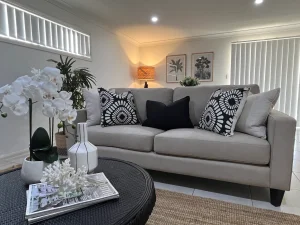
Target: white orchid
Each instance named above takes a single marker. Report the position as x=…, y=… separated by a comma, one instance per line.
x=72, y=116
x=44, y=84
x=6, y=89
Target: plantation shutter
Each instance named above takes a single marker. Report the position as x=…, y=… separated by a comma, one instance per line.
x=20, y=25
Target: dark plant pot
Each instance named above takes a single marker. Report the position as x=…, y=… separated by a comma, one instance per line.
x=61, y=144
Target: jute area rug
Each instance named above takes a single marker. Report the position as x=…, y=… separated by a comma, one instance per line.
x=179, y=209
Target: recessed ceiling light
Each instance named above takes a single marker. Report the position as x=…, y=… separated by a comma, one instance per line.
x=257, y=2
x=154, y=19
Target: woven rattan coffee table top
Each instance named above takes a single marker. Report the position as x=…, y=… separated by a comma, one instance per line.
x=134, y=184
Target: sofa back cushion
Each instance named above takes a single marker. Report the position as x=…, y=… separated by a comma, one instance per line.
x=141, y=95
x=200, y=95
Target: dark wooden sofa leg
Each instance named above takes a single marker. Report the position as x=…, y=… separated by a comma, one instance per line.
x=276, y=197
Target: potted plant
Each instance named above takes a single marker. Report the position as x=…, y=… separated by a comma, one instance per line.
x=189, y=82
x=20, y=97
x=73, y=82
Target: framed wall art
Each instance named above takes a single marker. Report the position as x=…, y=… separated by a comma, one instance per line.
x=202, y=66
x=176, y=68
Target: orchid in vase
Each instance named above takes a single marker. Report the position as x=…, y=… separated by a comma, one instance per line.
x=42, y=86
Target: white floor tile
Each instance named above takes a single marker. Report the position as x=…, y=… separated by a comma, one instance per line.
x=296, y=166
x=297, y=155
x=175, y=188
x=223, y=197
x=295, y=183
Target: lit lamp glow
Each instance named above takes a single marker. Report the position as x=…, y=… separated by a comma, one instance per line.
x=146, y=73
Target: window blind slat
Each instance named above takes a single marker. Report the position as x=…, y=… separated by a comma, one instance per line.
x=268, y=66
x=258, y=62
x=48, y=33
x=238, y=64
x=54, y=35
x=243, y=64
x=289, y=77
x=233, y=64
x=263, y=65
x=28, y=27
x=20, y=25
x=3, y=20
x=35, y=30
x=248, y=63
x=11, y=22
x=87, y=46
x=296, y=77
x=253, y=61
x=279, y=69
x=42, y=26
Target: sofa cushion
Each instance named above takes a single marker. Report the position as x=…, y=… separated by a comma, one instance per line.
x=133, y=137
x=117, y=109
x=203, y=144
x=142, y=95
x=201, y=94
x=176, y=115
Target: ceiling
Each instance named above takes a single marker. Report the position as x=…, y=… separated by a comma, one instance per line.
x=185, y=18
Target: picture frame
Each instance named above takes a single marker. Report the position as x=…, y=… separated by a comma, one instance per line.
x=203, y=66
x=175, y=68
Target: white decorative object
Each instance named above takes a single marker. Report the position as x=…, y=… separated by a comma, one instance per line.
x=83, y=153
x=65, y=177
x=32, y=171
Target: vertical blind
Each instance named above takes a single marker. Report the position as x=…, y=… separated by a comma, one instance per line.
x=23, y=26
x=270, y=64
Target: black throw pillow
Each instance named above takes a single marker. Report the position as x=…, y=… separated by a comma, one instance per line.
x=175, y=115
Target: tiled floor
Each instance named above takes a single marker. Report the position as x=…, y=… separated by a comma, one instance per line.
x=230, y=192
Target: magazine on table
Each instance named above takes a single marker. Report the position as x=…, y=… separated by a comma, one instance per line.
x=44, y=202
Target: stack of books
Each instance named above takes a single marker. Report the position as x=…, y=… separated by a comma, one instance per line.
x=44, y=201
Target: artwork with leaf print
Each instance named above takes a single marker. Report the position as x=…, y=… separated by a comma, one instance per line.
x=176, y=68
x=202, y=66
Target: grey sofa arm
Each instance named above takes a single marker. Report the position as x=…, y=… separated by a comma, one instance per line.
x=281, y=130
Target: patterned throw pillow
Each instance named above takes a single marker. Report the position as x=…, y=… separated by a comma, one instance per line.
x=117, y=109
x=223, y=110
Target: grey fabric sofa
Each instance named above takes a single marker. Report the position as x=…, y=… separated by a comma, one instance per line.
x=240, y=159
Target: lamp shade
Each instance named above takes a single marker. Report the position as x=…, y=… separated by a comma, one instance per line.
x=146, y=73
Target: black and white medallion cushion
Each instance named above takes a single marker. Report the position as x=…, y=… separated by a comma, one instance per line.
x=117, y=109
x=223, y=110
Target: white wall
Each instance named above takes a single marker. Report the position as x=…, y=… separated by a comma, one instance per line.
x=114, y=62
x=155, y=55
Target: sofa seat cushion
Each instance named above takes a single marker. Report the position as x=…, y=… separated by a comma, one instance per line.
x=202, y=144
x=133, y=137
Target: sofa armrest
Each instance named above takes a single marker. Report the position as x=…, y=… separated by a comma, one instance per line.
x=281, y=130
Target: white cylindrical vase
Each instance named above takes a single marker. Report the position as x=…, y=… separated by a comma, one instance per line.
x=83, y=153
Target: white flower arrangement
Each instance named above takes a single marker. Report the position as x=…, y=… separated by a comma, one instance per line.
x=65, y=177
x=43, y=84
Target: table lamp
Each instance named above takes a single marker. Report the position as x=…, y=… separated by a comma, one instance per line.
x=146, y=73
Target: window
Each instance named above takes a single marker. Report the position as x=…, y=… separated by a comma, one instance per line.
x=270, y=64
x=23, y=26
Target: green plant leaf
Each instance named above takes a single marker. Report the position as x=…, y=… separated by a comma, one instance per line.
x=49, y=156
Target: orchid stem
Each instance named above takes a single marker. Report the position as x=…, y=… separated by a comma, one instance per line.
x=30, y=128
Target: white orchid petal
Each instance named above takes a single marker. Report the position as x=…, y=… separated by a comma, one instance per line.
x=51, y=71
x=72, y=116
x=17, y=87
x=65, y=95
x=49, y=111
x=10, y=100
x=63, y=115
x=5, y=89
x=20, y=109
x=59, y=103
x=25, y=80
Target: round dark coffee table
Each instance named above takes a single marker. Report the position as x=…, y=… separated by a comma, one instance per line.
x=134, y=184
